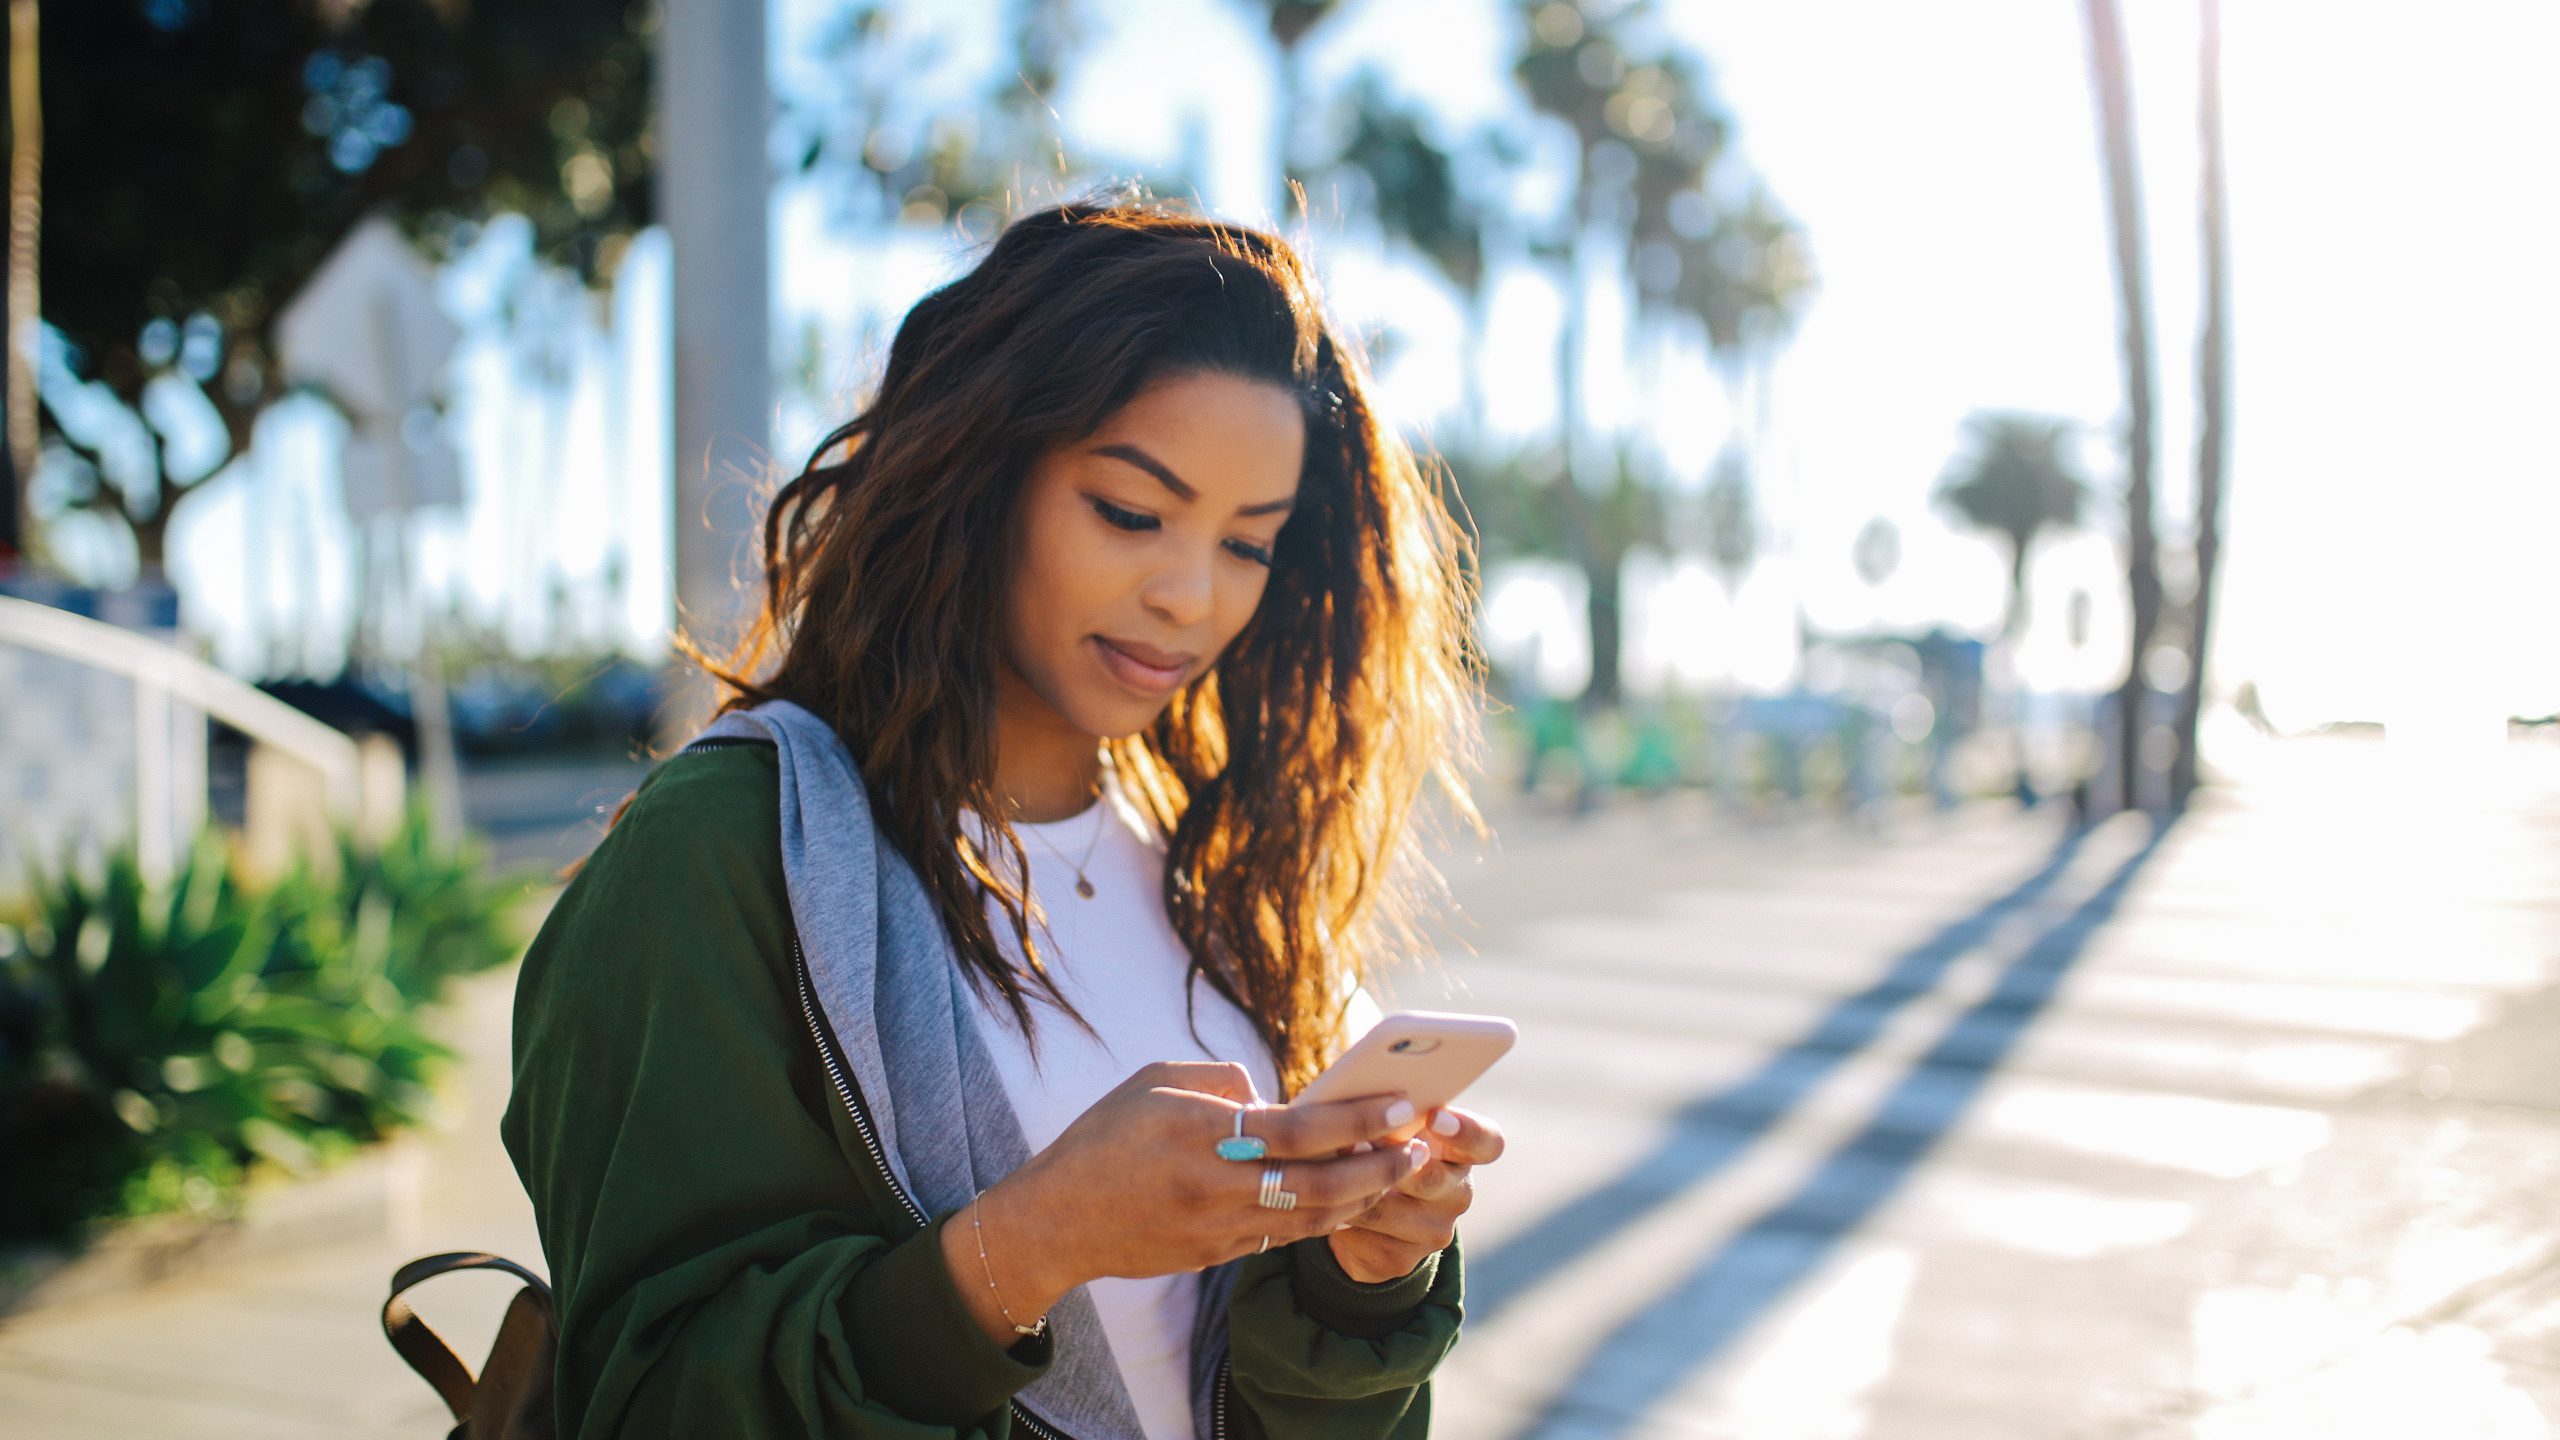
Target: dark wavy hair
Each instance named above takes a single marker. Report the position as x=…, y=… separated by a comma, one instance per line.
x=1285, y=776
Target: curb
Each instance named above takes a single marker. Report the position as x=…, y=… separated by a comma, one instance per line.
x=375, y=1194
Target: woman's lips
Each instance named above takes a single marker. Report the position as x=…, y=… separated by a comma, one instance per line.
x=1146, y=669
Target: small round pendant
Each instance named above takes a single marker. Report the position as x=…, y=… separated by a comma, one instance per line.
x=1084, y=887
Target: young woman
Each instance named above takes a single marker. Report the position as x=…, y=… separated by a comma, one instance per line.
x=847, y=1113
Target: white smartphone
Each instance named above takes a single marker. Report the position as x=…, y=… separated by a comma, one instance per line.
x=1428, y=1056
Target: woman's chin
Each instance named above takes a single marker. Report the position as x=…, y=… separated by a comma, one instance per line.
x=1116, y=717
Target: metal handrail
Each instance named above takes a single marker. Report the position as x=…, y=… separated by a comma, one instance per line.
x=190, y=681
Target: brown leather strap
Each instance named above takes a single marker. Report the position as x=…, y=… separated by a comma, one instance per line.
x=421, y=1346
x=512, y=1400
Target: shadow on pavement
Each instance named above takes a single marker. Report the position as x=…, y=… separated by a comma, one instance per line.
x=1647, y=1357
x=1713, y=1130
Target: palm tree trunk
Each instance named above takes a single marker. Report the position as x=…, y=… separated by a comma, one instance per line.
x=2013, y=629
x=26, y=194
x=2213, y=384
x=2111, y=80
x=1479, y=323
x=1596, y=548
x=1284, y=129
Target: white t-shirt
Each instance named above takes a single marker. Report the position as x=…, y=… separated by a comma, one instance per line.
x=1117, y=959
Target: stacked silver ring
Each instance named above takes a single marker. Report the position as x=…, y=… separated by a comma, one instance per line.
x=1273, y=1197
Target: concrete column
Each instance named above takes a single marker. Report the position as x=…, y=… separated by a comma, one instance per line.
x=714, y=188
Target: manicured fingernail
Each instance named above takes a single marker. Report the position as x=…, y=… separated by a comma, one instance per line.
x=1446, y=1122
x=1362, y=1148
x=1417, y=1153
x=1399, y=1113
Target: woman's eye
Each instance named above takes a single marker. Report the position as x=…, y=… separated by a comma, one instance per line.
x=1258, y=554
x=1120, y=519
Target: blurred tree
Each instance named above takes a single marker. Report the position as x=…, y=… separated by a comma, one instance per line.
x=2213, y=387
x=1288, y=22
x=2014, y=481
x=17, y=317
x=1877, y=551
x=2111, y=81
x=1732, y=525
x=1746, y=282
x=1414, y=192
x=209, y=155
x=1609, y=520
x=1651, y=137
x=909, y=156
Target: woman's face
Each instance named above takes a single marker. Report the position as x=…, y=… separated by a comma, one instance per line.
x=1143, y=548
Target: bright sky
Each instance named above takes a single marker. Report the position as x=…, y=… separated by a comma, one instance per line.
x=2394, y=202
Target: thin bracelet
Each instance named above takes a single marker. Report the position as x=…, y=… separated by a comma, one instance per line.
x=1019, y=1328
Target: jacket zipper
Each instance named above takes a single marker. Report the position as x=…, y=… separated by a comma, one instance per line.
x=844, y=1091
x=1218, y=1399
x=880, y=1157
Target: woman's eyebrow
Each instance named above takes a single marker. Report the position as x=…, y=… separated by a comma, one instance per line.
x=1121, y=450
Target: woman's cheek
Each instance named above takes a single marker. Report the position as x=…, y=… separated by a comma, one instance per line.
x=1244, y=597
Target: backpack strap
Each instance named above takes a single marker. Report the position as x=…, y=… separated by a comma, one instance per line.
x=422, y=1347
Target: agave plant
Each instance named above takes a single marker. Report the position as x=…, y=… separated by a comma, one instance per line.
x=432, y=911
x=159, y=1041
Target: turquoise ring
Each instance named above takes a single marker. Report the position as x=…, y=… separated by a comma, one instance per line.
x=1241, y=1146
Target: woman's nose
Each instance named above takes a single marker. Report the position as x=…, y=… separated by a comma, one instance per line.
x=1181, y=591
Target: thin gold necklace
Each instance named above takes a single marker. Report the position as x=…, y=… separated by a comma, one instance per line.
x=1084, y=884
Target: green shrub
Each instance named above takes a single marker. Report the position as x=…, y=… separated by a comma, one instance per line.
x=158, y=1043
x=434, y=912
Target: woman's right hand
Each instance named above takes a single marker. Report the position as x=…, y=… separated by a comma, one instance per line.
x=1135, y=1187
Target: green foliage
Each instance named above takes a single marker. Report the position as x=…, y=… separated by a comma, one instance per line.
x=432, y=912
x=2016, y=479
x=1732, y=522
x=160, y=1042
x=208, y=155
x=1414, y=183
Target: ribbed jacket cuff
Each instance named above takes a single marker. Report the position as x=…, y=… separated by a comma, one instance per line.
x=917, y=1347
x=1333, y=1299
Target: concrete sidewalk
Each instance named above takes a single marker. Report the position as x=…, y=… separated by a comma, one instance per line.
x=2242, y=1130
x=288, y=1346
x=1963, y=1128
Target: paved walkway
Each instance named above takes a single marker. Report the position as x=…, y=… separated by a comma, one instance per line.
x=1965, y=1128
x=2242, y=1130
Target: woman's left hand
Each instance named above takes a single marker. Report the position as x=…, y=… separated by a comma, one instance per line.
x=1420, y=1216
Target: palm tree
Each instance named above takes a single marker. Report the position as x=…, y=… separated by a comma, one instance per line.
x=2014, y=482
x=1731, y=524
x=1289, y=22
x=1650, y=131
x=2213, y=387
x=1747, y=281
x=1417, y=198
x=2111, y=81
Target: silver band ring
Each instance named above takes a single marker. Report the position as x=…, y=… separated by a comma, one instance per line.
x=1265, y=1245
x=1273, y=1197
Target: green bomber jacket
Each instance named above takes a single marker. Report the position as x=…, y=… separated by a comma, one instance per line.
x=729, y=1258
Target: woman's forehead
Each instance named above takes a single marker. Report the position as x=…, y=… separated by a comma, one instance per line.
x=1231, y=441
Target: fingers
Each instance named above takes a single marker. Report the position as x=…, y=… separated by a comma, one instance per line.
x=1224, y=1078
x=1408, y=1221
x=1439, y=1182
x=1339, y=1188
x=1305, y=1132
x=1463, y=1137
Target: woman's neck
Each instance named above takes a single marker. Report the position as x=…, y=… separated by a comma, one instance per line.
x=1046, y=769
